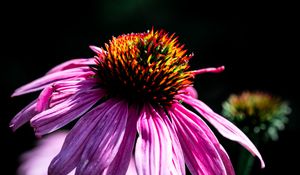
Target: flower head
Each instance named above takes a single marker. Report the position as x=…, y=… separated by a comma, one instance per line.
x=257, y=112
x=146, y=67
x=128, y=100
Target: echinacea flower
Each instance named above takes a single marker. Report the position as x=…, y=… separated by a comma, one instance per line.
x=128, y=100
x=257, y=113
x=260, y=115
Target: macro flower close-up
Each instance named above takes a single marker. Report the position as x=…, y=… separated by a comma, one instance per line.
x=129, y=104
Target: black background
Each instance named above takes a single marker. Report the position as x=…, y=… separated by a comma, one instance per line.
x=255, y=41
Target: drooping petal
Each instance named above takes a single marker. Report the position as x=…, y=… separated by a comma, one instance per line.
x=200, y=153
x=72, y=64
x=23, y=116
x=42, y=82
x=225, y=127
x=44, y=98
x=65, y=112
x=120, y=164
x=64, y=89
x=59, y=97
x=226, y=160
x=75, y=84
x=77, y=139
x=178, y=164
x=153, y=152
x=185, y=113
x=105, y=141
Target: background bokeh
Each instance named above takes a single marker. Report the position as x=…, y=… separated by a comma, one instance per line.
x=255, y=42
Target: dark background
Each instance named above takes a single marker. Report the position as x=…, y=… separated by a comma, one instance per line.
x=255, y=42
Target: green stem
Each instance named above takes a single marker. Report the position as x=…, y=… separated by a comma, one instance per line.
x=245, y=163
x=245, y=159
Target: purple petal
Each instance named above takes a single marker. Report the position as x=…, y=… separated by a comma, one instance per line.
x=121, y=162
x=77, y=139
x=59, y=97
x=153, y=152
x=65, y=112
x=44, y=99
x=200, y=153
x=209, y=69
x=65, y=89
x=132, y=167
x=191, y=91
x=204, y=127
x=74, y=84
x=23, y=116
x=226, y=128
x=226, y=160
x=100, y=52
x=105, y=141
x=178, y=163
x=38, y=84
x=72, y=64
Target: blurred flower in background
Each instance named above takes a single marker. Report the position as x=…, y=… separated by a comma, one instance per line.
x=257, y=113
x=260, y=115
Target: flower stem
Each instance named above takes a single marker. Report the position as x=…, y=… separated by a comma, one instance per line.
x=245, y=163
